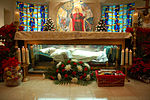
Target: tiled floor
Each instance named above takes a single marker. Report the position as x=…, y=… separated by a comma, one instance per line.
x=39, y=89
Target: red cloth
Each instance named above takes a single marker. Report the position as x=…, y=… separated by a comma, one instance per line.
x=75, y=20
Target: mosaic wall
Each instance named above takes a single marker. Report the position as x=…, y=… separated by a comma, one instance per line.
x=32, y=16
x=118, y=18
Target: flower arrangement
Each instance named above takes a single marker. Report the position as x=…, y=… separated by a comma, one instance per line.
x=12, y=72
x=11, y=68
x=142, y=41
x=140, y=70
x=141, y=66
x=8, y=50
x=73, y=72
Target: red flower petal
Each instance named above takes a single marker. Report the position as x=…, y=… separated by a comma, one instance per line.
x=85, y=69
x=62, y=65
x=81, y=77
x=63, y=70
x=66, y=75
x=80, y=62
x=74, y=63
x=68, y=61
x=57, y=70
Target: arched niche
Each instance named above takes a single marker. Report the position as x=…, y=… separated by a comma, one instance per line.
x=74, y=15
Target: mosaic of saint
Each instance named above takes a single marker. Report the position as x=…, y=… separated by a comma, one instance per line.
x=74, y=16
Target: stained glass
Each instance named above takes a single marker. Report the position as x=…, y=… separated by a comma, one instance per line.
x=32, y=16
x=118, y=18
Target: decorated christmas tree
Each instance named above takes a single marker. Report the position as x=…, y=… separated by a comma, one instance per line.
x=49, y=25
x=101, y=26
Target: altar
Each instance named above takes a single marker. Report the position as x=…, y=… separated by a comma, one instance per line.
x=76, y=37
x=72, y=38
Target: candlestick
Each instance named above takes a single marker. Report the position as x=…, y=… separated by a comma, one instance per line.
x=27, y=56
x=17, y=16
x=130, y=57
x=135, y=17
x=23, y=55
x=126, y=60
x=122, y=57
x=19, y=55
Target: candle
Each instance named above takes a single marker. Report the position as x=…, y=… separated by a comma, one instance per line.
x=23, y=55
x=126, y=60
x=17, y=16
x=19, y=55
x=27, y=56
x=122, y=57
x=135, y=17
x=117, y=53
x=130, y=57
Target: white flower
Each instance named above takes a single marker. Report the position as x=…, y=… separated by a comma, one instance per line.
x=88, y=77
x=57, y=66
x=87, y=65
x=79, y=68
x=59, y=76
x=74, y=80
x=68, y=67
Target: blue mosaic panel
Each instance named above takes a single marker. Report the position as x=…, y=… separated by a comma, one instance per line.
x=118, y=18
x=32, y=16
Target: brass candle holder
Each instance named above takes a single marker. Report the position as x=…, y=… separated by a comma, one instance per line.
x=134, y=38
x=25, y=72
x=126, y=72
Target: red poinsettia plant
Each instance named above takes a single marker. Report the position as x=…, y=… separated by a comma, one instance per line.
x=139, y=68
x=142, y=41
x=8, y=50
x=11, y=69
x=141, y=65
x=73, y=72
x=10, y=62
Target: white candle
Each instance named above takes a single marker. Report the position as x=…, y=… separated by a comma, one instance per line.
x=27, y=56
x=122, y=57
x=19, y=55
x=23, y=55
x=126, y=60
x=135, y=17
x=130, y=57
x=17, y=16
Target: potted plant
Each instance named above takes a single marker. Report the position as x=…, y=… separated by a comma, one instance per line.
x=12, y=71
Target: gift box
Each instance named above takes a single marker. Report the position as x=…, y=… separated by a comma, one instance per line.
x=110, y=79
